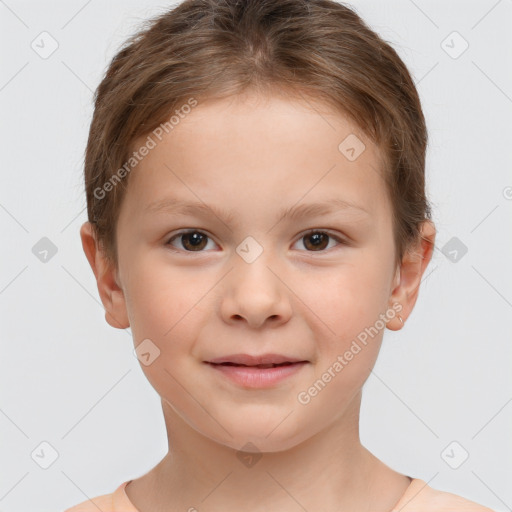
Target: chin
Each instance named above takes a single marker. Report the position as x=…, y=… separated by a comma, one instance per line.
x=250, y=438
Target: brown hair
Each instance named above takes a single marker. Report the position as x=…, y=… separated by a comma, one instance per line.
x=216, y=48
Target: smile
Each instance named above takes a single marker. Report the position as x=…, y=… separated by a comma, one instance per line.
x=259, y=375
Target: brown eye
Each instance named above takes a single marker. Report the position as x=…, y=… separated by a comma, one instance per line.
x=196, y=241
x=192, y=241
x=318, y=241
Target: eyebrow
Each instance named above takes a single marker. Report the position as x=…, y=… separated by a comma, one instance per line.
x=178, y=206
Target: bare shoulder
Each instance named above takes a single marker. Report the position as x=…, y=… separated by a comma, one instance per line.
x=420, y=497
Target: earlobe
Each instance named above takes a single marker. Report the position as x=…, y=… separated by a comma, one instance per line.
x=111, y=294
x=410, y=273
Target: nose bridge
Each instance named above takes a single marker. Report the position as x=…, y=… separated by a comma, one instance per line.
x=254, y=291
x=252, y=263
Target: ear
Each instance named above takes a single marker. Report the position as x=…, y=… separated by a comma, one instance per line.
x=112, y=296
x=408, y=276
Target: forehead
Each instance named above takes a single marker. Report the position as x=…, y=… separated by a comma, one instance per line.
x=255, y=151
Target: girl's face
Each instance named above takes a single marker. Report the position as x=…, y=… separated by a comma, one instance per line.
x=251, y=267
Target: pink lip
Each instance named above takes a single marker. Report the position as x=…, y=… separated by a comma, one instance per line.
x=255, y=377
x=249, y=360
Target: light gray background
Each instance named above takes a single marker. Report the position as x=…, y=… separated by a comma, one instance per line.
x=71, y=380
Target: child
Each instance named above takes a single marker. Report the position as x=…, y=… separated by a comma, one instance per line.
x=289, y=138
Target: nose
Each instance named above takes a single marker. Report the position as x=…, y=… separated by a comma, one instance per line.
x=256, y=293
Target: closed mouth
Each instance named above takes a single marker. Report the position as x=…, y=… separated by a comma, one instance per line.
x=262, y=366
x=261, y=360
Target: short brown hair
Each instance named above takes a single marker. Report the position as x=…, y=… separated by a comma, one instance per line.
x=217, y=48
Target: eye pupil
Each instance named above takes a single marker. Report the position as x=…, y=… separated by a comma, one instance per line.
x=318, y=239
x=196, y=239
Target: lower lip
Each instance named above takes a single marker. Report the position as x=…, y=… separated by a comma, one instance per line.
x=253, y=377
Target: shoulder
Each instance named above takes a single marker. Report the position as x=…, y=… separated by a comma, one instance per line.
x=118, y=501
x=103, y=503
x=419, y=497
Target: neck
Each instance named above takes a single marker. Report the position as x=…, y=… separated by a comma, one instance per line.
x=329, y=471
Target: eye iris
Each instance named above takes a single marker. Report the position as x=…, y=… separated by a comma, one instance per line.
x=318, y=240
x=196, y=238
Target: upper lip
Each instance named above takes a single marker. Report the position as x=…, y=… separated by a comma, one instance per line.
x=249, y=360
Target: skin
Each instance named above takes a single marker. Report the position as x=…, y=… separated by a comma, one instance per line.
x=257, y=155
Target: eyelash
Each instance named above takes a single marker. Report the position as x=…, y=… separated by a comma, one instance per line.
x=310, y=232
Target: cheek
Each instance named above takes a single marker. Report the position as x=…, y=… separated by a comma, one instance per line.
x=347, y=299
x=348, y=349
x=160, y=297
x=162, y=309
